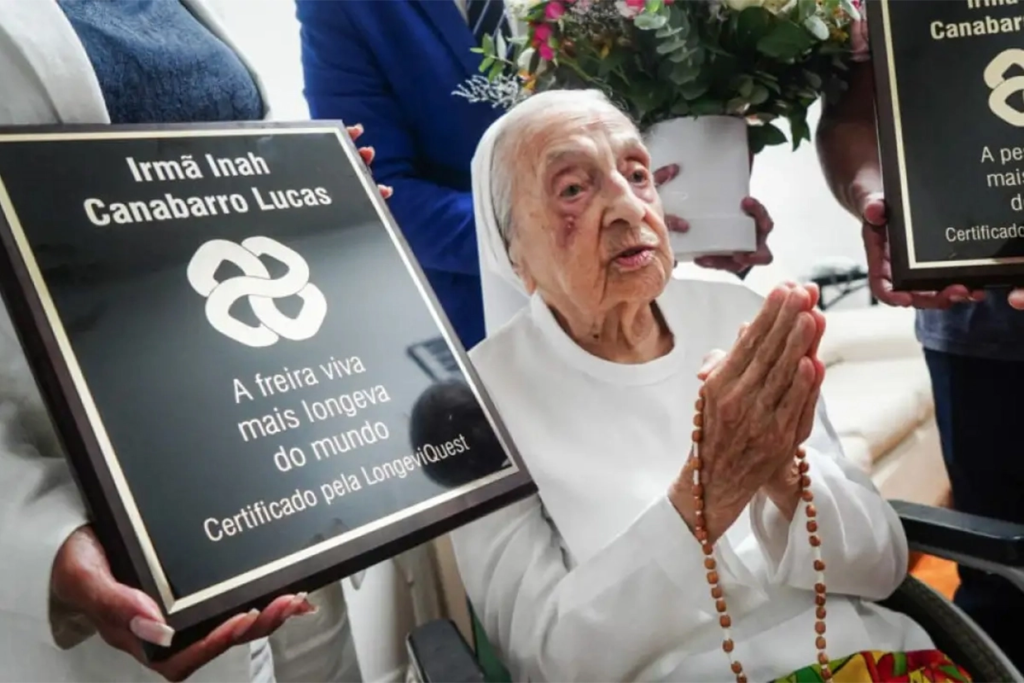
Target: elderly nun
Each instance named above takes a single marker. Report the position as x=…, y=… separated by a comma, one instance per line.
x=696, y=519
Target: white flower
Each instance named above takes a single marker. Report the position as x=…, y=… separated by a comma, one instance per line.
x=520, y=8
x=629, y=9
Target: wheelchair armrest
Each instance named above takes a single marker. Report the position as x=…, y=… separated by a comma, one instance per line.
x=440, y=654
x=982, y=543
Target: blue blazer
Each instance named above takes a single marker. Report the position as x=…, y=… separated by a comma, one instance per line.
x=392, y=66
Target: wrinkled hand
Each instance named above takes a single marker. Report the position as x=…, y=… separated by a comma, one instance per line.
x=367, y=154
x=876, y=247
x=734, y=263
x=760, y=401
x=124, y=616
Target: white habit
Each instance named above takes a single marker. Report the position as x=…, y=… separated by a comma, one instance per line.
x=598, y=578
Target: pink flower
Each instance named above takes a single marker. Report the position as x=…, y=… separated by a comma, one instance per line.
x=859, y=44
x=630, y=8
x=546, y=53
x=541, y=34
x=554, y=11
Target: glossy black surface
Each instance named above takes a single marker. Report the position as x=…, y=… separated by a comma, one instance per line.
x=164, y=380
x=964, y=161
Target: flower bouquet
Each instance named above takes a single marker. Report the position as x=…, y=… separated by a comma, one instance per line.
x=707, y=82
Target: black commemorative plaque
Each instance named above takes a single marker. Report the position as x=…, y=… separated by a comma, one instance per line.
x=949, y=76
x=255, y=387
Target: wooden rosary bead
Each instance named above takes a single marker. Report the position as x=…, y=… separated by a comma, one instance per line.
x=701, y=533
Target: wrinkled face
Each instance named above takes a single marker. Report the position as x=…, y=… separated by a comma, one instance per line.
x=589, y=232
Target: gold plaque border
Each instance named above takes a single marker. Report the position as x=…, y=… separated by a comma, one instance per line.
x=912, y=262
x=176, y=603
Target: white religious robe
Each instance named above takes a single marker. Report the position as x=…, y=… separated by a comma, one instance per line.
x=598, y=578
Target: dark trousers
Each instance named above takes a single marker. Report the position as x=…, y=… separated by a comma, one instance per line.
x=979, y=407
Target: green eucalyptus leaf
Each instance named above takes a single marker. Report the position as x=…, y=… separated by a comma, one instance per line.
x=501, y=48
x=813, y=79
x=477, y=50
x=752, y=25
x=707, y=106
x=488, y=45
x=805, y=9
x=786, y=42
x=649, y=22
x=764, y=135
x=759, y=95
x=694, y=89
x=496, y=70
x=671, y=46
x=680, y=108
x=486, y=64
x=816, y=27
x=683, y=74
x=736, y=105
x=745, y=87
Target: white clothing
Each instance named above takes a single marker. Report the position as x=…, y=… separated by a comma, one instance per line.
x=46, y=77
x=598, y=578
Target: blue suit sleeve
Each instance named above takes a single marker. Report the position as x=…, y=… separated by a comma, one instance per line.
x=343, y=80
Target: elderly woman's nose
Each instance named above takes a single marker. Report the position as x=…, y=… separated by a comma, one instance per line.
x=625, y=205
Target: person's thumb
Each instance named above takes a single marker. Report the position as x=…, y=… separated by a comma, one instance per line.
x=1016, y=299
x=129, y=608
x=711, y=361
x=872, y=209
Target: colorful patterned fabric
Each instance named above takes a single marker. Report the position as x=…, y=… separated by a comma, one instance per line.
x=923, y=666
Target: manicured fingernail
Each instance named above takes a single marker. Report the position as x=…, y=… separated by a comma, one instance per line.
x=245, y=624
x=387, y=190
x=957, y=299
x=358, y=127
x=152, y=631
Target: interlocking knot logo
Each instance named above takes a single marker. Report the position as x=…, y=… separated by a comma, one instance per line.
x=260, y=289
x=1003, y=87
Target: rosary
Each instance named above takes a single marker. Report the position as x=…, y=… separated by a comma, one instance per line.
x=701, y=533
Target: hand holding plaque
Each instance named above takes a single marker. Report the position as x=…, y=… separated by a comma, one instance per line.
x=123, y=616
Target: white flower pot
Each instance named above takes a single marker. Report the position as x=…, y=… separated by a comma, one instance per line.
x=714, y=160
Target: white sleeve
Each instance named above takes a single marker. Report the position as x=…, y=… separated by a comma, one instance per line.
x=39, y=508
x=863, y=543
x=606, y=619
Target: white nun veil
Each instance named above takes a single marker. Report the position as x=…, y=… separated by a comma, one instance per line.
x=503, y=291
